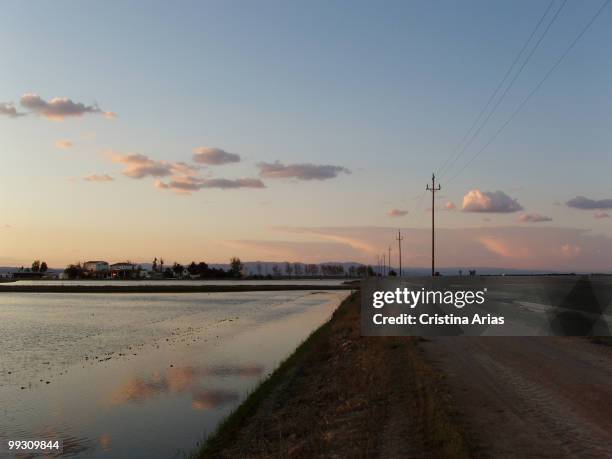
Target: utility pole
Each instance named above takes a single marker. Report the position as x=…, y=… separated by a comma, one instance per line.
x=389, y=261
x=433, y=190
x=384, y=263
x=399, y=247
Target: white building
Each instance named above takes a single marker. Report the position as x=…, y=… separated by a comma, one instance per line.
x=96, y=266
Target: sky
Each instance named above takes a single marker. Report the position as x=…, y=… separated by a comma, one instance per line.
x=304, y=132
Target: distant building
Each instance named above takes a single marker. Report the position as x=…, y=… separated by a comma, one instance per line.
x=96, y=266
x=96, y=269
x=123, y=270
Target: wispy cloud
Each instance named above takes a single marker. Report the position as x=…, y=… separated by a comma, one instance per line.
x=524, y=247
x=214, y=156
x=397, y=213
x=98, y=178
x=8, y=109
x=300, y=171
x=64, y=144
x=59, y=108
x=489, y=201
x=303, y=251
x=138, y=166
x=533, y=218
x=580, y=202
x=189, y=184
x=450, y=206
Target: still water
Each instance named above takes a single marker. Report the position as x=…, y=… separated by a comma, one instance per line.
x=141, y=375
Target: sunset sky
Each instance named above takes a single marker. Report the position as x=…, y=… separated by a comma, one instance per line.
x=302, y=131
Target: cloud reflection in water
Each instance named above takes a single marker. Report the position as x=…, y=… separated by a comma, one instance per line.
x=176, y=381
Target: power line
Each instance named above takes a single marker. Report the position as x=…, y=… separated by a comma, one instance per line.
x=535, y=89
x=499, y=86
x=516, y=75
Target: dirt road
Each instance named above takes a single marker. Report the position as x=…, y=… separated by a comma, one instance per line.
x=530, y=397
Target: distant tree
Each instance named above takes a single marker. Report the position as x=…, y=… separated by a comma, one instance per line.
x=168, y=273
x=74, y=271
x=161, y=265
x=43, y=267
x=236, y=267
x=392, y=273
x=36, y=266
x=370, y=271
x=154, y=265
x=178, y=269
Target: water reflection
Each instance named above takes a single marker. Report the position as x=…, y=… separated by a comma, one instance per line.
x=140, y=406
x=249, y=371
x=105, y=442
x=213, y=398
x=176, y=381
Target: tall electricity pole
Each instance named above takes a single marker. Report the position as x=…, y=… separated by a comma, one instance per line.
x=433, y=190
x=389, y=261
x=384, y=264
x=399, y=248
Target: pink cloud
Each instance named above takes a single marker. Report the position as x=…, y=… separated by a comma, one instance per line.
x=9, y=110
x=570, y=251
x=489, y=201
x=450, y=206
x=98, y=178
x=520, y=247
x=214, y=156
x=300, y=171
x=138, y=166
x=187, y=185
x=64, y=144
x=306, y=251
x=397, y=213
x=59, y=108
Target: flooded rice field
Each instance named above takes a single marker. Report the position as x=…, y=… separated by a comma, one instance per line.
x=141, y=375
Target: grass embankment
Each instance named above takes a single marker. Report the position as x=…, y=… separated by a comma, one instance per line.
x=342, y=394
x=150, y=288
